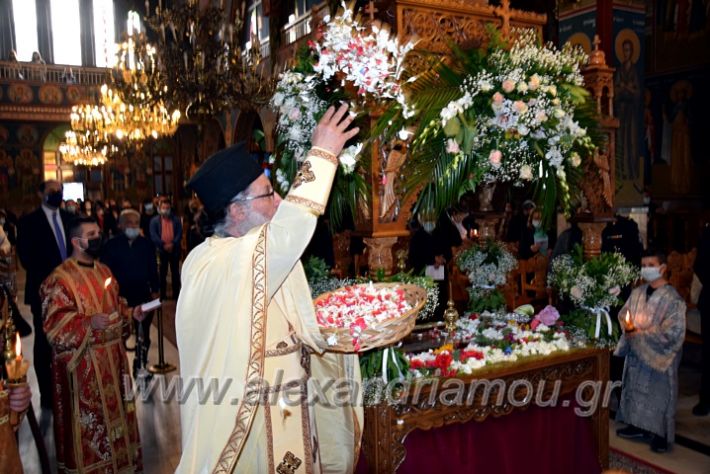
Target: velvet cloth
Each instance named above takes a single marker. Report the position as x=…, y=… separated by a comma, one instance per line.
x=536, y=440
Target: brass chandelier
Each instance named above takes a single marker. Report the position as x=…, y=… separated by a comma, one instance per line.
x=129, y=112
x=75, y=150
x=204, y=68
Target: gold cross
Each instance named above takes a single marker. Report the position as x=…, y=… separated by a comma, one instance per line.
x=304, y=175
x=289, y=464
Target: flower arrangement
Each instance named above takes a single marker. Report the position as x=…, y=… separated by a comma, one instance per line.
x=517, y=114
x=347, y=61
x=490, y=341
x=593, y=287
x=487, y=266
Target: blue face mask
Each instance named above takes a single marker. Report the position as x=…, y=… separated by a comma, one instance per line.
x=650, y=274
x=132, y=233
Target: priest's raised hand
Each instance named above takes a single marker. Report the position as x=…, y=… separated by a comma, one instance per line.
x=332, y=131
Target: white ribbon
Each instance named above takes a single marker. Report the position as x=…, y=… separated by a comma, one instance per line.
x=598, y=312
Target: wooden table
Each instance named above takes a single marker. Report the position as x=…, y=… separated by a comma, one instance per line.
x=387, y=426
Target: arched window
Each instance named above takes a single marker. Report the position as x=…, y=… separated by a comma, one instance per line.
x=25, y=17
x=66, y=32
x=104, y=33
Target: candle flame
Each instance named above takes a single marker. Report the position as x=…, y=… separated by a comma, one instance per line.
x=475, y=232
x=628, y=317
x=107, y=283
x=18, y=345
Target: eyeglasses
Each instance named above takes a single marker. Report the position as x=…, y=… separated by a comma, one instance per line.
x=251, y=198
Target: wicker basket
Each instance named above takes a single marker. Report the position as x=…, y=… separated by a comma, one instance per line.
x=386, y=332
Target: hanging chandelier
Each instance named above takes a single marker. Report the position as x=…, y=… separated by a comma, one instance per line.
x=77, y=151
x=137, y=89
x=204, y=68
x=140, y=121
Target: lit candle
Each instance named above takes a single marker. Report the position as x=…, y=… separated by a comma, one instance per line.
x=18, y=353
x=107, y=283
x=628, y=322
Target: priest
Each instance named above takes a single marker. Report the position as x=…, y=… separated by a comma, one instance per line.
x=95, y=425
x=246, y=325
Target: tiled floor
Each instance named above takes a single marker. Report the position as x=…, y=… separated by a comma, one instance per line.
x=679, y=459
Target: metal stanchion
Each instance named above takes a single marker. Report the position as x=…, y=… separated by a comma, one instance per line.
x=161, y=367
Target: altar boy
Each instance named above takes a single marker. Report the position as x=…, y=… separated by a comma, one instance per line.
x=652, y=343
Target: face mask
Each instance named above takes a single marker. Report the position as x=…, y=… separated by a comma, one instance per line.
x=536, y=223
x=71, y=209
x=93, y=248
x=650, y=274
x=132, y=233
x=54, y=199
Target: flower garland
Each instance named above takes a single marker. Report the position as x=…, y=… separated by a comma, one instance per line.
x=593, y=287
x=487, y=266
x=517, y=115
x=595, y=282
x=345, y=56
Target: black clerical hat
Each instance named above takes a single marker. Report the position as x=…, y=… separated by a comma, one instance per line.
x=224, y=175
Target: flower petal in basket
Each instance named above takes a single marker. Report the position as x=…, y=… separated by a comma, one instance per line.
x=366, y=332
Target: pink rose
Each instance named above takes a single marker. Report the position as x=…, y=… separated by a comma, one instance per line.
x=498, y=98
x=576, y=292
x=495, y=157
x=615, y=291
x=508, y=85
x=520, y=106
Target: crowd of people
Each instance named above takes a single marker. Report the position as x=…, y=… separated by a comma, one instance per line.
x=69, y=249
x=72, y=252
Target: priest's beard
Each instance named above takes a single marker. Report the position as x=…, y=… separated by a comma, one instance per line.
x=253, y=219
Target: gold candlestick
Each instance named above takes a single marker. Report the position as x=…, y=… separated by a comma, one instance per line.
x=16, y=372
x=451, y=315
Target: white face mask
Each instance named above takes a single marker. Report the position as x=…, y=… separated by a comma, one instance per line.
x=650, y=274
x=536, y=223
x=132, y=233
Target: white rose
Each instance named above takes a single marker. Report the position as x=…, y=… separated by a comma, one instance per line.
x=576, y=159
x=559, y=113
x=526, y=173
x=522, y=87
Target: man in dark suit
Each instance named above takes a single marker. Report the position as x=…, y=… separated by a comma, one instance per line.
x=42, y=246
x=131, y=258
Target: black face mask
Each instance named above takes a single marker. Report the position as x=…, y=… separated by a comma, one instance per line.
x=54, y=199
x=93, y=248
